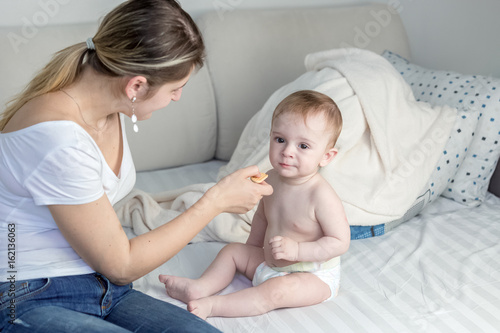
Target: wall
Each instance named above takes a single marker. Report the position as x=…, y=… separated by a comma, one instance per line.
x=460, y=35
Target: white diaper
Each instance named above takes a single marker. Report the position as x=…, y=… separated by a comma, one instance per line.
x=330, y=276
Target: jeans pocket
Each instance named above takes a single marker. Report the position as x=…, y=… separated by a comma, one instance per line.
x=15, y=292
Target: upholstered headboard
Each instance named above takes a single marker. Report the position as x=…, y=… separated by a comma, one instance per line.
x=251, y=53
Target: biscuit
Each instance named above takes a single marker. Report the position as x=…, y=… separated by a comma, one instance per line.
x=259, y=179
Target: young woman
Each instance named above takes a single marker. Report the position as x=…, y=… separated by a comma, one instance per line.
x=64, y=162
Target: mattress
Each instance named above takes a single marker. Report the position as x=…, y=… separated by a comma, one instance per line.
x=438, y=272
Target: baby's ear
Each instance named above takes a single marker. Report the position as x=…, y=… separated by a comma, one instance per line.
x=328, y=157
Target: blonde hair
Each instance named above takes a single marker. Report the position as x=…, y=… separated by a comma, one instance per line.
x=309, y=102
x=156, y=39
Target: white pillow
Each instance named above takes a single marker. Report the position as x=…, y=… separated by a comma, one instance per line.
x=471, y=94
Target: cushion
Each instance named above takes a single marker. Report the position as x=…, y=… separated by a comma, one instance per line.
x=472, y=94
x=454, y=152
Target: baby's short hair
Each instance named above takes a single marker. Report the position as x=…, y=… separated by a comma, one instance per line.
x=310, y=102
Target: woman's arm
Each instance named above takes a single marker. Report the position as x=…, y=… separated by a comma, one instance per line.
x=95, y=233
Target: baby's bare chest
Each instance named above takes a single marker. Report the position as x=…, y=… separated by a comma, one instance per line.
x=291, y=212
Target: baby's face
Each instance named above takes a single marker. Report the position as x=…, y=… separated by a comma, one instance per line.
x=298, y=147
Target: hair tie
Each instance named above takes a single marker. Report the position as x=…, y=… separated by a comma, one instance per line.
x=90, y=44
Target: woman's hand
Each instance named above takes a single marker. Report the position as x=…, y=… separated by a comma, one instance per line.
x=236, y=193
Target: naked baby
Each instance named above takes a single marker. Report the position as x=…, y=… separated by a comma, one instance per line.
x=298, y=233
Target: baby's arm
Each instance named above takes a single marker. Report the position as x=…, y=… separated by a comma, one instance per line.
x=259, y=226
x=331, y=216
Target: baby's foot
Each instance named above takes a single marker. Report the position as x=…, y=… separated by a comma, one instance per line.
x=183, y=289
x=201, y=307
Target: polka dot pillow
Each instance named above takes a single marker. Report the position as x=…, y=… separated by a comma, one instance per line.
x=454, y=153
x=470, y=94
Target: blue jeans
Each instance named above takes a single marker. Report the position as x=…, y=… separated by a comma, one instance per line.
x=88, y=303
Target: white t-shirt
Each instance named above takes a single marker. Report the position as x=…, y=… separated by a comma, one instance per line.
x=54, y=162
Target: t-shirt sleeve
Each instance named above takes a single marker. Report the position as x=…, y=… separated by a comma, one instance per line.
x=67, y=175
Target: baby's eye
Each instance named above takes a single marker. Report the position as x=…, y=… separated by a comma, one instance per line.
x=279, y=140
x=303, y=146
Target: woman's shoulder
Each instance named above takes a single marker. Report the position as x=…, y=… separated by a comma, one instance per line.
x=47, y=120
x=45, y=108
x=36, y=142
x=49, y=148
x=47, y=133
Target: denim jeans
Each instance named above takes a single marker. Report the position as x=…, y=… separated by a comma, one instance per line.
x=88, y=303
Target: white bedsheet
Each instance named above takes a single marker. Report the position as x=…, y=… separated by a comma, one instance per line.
x=438, y=272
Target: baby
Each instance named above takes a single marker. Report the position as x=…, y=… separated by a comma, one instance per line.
x=298, y=233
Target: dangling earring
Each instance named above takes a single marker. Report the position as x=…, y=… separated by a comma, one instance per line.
x=134, y=117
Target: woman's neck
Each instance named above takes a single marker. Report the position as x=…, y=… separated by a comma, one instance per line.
x=97, y=97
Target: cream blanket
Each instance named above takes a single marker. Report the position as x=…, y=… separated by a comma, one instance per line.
x=388, y=148
x=389, y=144
x=143, y=212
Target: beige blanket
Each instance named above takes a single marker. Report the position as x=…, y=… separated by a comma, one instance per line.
x=143, y=212
x=389, y=144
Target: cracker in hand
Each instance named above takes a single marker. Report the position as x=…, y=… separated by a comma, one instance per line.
x=259, y=179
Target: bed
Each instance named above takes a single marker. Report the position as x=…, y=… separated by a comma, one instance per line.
x=433, y=270
x=437, y=272
x=430, y=266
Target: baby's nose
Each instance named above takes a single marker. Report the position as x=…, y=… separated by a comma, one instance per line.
x=287, y=151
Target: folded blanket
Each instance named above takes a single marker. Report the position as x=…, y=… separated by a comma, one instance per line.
x=143, y=212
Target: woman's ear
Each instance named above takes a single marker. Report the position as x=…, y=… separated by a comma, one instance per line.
x=137, y=86
x=328, y=157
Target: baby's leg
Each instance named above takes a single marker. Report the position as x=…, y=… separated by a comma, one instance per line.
x=292, y=290
x=234, y=257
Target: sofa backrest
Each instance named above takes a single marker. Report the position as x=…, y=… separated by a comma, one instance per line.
x=251, y=53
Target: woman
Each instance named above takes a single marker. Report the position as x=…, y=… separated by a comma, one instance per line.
x=64, y=162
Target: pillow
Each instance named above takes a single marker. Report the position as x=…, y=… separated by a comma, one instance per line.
x=454, y=152
x=470, y=94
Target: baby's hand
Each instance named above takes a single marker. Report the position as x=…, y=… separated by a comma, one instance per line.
x=284, y=248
